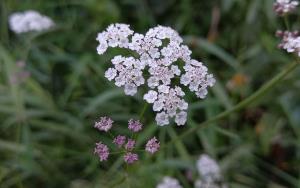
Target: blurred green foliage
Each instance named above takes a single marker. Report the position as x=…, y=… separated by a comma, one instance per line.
x=46, y=134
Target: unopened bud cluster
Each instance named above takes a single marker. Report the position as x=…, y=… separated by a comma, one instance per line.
x=126, y=145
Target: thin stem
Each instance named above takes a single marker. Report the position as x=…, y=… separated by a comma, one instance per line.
x=286, y=22
x=127, y=176
x=259, y=93
x=143, y=111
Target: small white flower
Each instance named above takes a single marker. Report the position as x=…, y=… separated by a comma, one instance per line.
x=158, y=105
x=162, y=119
x=130, y=89
x=182, y=105
x=163, y=89
x=180, y=118
x=175, y=70
x=153, y=82
x=151, y=96
x=110, y=74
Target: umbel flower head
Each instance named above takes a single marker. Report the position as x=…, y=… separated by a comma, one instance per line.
x=104, y=124
x=131, y=157
x=134, y=125
x=126, y=145
x=169, y=182
x=210, y=173
x=158, y=52
x=290, y=41
x=152, y=145
x=208, y=168
x=22, y=22
x=283, y=7
x=102, y=151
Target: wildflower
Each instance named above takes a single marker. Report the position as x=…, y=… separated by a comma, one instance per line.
x=130, y=144
x=290, y=41
x=152, y=145
x=282, y=7
x=151, y=96
x=208, y=184
x=127, y=72
x=169, y=103
x=197, y=79
x=158, y=59
x=134, y=125
x=22, y=22
x=130, y=157
x=104, y=124
x=102, y=151
x=119, y=140
x=208, y=168
x=169, y=182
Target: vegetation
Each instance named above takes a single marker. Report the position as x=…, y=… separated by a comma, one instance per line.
x=46, y=132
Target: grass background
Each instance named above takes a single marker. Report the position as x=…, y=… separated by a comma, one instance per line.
x=46, y=130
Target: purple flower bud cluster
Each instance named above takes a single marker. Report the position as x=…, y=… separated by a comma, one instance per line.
x=126, y=145
x=104, y=124
x=102, y=151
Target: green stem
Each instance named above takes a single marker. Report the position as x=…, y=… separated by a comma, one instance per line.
x=259, y=93
x=286, y=22
x=143, y=111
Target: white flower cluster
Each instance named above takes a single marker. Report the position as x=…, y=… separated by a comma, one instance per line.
x=208, y=168
x=127, y=72
x=207, y=184
x=290, y=41
x=158, y=50
x=169, y=182
x=167, y=102
x=283, y=7
x=210, y=173
x=22, y=22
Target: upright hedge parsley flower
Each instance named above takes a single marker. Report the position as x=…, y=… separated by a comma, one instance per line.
x=158, y=53
x=290, y=41
x=22, y=22
x=208, y=168
x=152, y=145
x=169, y=182
x=134, y=125
x=125, y=145
x=104, y=124
x=210, y=173
x=283, y=7
x=119, y=140
x=131, y=157
x=130, y=144
x=102, y=151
